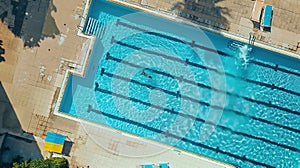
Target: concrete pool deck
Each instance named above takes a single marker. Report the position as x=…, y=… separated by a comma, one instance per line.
x=33, y=95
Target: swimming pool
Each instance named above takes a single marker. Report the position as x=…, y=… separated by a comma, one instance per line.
x=198, y=91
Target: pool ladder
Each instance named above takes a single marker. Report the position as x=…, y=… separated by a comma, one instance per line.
x=94, y=27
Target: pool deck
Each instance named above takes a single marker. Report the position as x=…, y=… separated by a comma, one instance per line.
x=32, y=77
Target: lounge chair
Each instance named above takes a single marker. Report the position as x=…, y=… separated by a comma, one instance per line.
x=256, y=12
x=267, y=16
x=146, y=166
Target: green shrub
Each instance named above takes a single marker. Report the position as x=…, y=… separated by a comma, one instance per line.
x=59, y=162
x=40, y=163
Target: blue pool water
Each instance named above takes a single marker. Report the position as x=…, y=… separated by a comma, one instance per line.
x=198, y=91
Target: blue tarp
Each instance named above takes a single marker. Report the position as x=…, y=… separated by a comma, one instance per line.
x=55, y=138
x=267, y=16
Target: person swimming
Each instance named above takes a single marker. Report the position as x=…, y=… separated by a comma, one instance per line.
x=145, y=74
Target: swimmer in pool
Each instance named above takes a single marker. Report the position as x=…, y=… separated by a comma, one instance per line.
x=145, y=74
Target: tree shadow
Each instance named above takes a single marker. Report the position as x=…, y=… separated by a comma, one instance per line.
x=205, y=12
x=29, y=20
x=15, y=144
x=2, y=52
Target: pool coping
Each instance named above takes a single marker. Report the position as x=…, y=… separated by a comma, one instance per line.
x=232, y=36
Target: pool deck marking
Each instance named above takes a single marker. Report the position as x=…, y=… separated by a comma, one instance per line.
x=177, y=94
x=272, y=86
x=198, y=26
x=180, y=79
x=217, y=149
x=187, y=115
x=193, y=44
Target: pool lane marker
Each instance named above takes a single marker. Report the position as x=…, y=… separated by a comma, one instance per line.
x=173, y=39
x=275, y=67
x=113, y=40
x=193, y=45
x=268, y=104
x=206, y=68
x=187, y=98
x=203, y=67
x=217, y=149
x=201, y=102
x=189, y=116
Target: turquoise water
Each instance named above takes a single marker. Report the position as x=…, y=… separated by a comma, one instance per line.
x=239, y=105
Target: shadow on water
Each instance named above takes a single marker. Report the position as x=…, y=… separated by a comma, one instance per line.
x=2, y=52
x=15, y=144
x=203, y=11
x=30, y=20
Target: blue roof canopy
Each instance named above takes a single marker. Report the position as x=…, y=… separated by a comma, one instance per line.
x=55, y=138
x=267, y=16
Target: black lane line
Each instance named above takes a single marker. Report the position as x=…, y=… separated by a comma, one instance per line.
x=141, y=84
x=198, y=119
x=275, y=68
x=149, y=51
x=108, y=56
x=187, y=62
x=193, y=44
x=172, y=38
x=272, y=86
x=217, y=149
